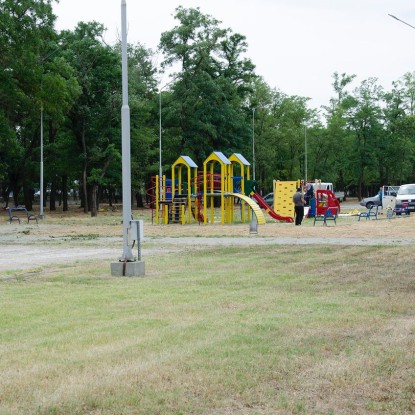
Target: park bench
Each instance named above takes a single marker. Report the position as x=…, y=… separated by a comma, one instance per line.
x=19, y=212
x=329, y=214
x=372, y=212
x=404, y=210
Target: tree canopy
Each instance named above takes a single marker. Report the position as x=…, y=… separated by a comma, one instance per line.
x=215, y=101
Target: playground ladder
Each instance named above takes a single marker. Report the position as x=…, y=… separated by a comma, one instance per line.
x=177, y=212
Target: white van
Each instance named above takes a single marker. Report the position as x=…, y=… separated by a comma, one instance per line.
x=340, y=196
x=406, y=197
x=318, y=185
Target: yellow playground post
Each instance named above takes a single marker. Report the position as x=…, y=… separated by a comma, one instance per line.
x=211, y=188
x=245, y=174
x=185, y=190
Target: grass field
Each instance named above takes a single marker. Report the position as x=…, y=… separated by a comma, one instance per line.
x=315, y=329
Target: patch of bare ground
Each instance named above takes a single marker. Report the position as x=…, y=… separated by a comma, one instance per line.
x=108, y=223
x=73, y=235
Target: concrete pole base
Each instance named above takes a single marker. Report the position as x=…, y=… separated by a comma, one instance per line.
x=128, y=269
x=253, y=226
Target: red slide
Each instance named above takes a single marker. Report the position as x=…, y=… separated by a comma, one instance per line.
x=264, y=205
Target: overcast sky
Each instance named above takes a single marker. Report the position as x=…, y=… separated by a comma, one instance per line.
x=296, y=45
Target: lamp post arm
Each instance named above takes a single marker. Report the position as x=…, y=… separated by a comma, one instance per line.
x=399, y=20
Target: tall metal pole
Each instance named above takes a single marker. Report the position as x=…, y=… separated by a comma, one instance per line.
x=41, y=164
x=125, y=133
x=160, y=165
x=41, y=214
x=160, y=152
x=305, y=152
x=253, y=143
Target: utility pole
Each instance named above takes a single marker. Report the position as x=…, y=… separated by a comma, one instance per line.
x=132, y=229
x=253, y=144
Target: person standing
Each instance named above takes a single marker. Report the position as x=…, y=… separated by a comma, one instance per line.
x=380, y=194
x=299, y=203
x=309, y=192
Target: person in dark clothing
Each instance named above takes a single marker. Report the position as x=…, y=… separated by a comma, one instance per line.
x=309, y=193
x=299, y=202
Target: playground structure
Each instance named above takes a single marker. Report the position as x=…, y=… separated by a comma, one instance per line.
x=224, y=184
x=325, y=199
x=283, y=195
x=322, y=198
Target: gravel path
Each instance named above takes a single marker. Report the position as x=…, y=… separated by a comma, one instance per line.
x=25, y=254
x=75, y=237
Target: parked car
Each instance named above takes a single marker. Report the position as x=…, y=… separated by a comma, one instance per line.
x=36, y=195
x=371, y=201
x=269, y=198
x=406, y=197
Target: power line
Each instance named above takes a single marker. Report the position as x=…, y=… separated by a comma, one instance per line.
x=399, y=20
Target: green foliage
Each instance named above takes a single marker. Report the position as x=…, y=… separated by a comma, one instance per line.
x=210, y=89
x=26, y=28
x=215, y=101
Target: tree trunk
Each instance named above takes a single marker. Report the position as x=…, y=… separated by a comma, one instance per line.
x=84, y=173
x=89, y=197
x=110, y=193
x=16, y=190
x=28, y=197
x=139, y=199
x=65, y=192
x=52, y=200
x=94, y=209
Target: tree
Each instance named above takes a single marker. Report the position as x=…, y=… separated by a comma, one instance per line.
x=280, y=122
x=143, y=100
x=364, y=120
x=264, y=134
x=211, y=86
x=337, y=139
x=95, y=118
x=26, y=28
x=399, y=155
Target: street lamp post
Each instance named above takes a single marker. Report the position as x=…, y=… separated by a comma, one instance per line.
x=253, y=144
x=160, y=167
x=160, y=147
x=41, y=164
x=306, y=147
x=133, y=231
x=125, y=133
x=41, y=213
x=42, y=61
x=305, y=153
